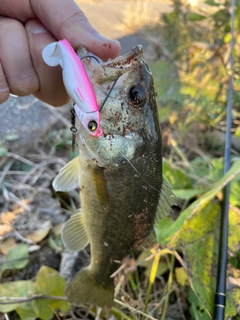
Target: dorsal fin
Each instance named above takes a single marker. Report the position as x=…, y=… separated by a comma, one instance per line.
x=68, y=177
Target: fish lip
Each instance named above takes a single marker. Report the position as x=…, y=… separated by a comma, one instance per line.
x=121, y=62
x=136, y=53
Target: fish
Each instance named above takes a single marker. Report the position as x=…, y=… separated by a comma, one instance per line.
x=119, y=175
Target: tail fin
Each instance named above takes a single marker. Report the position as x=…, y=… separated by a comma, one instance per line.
x=84, y=289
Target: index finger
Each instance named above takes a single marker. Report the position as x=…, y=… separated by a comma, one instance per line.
x=65, y=20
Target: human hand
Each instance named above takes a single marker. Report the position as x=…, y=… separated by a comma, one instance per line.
x=26, y=27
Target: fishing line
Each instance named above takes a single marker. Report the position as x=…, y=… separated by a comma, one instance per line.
x=220, y=295
x=115, y=81
x=88, y=56
x=139, y=173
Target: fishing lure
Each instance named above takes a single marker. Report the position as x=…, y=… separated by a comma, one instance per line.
x=77, y=84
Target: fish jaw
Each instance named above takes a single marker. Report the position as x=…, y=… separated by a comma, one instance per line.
x=109, y=150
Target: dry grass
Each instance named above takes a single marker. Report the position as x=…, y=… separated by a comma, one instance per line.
x=137, y=14
x=26, y=199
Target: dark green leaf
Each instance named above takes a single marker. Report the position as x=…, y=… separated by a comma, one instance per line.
x=192, y=16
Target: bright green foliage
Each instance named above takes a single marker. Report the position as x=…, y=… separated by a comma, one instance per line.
x=48, y=282
x=198, y=42
x=197, y=205
x=17, y=258
x=196, y=233
x=194, y=81
x=196, y=310
x=192, y=16
x=16, y=289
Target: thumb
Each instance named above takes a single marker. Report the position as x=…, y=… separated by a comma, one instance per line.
x=65, y=20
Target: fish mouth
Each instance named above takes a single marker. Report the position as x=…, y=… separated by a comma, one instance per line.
x=124, y=71
x=127, y=60
x=120, y=64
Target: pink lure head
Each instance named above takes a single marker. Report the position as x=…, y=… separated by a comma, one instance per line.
x=76, y=82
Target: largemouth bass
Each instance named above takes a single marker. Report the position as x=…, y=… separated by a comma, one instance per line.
x=119, y=175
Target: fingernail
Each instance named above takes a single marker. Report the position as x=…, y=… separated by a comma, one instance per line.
x=36, y=27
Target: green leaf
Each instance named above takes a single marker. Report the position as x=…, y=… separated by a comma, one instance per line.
x=181, y=276
x=186, y=194
x=12, y=136
x=192, y=16
x=197, y=205
x=196, y=310
x=237, y=132
x=28, y=311
x=162, y=229
x=221, y=17
x=177, y=178
x=3, y=151
x=227, y=38
x=49, y=282
x=234, y=230
x=212, y=3
x=16, y=289
x=194, y=227
x=198, y=239
x=143, y=261
x=25, y=167
x=17, y=258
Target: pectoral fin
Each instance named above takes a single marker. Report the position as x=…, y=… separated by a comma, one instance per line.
x=166, y=201
x=68, y=177
x=74, y=233
x=149, y=242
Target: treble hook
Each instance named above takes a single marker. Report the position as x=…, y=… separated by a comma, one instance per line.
x=73, y=128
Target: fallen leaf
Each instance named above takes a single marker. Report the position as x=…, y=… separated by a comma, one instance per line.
x=7, y=245
x=181, y=276
x=38, y=235
x=58, y=229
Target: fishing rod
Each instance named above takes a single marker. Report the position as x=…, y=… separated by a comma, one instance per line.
x=220, y=295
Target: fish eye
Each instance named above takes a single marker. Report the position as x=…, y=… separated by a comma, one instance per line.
x=92, y=125
x=137, y=96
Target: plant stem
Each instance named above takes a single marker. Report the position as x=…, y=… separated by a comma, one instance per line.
x=169, y=285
